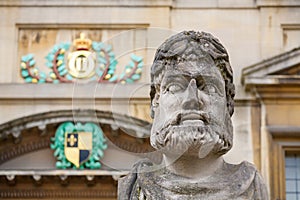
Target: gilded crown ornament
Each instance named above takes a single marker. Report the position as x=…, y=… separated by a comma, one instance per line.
x=82, y=43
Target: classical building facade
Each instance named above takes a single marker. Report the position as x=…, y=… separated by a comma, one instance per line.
x=75, y=71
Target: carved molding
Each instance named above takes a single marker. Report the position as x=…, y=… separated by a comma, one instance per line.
x=117, y=120
x=53, y=187
x=67, y=91
x=287, y=131
x=90, y=3
x=276, y=3
x=44, y=143
x=275, y=65
x=20, y=149
x=35, y=132
x=43, y=193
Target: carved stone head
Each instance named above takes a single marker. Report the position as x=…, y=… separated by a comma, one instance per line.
x=192, y=95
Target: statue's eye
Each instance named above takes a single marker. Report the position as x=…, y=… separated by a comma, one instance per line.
x=173, y=88
x=210, y=89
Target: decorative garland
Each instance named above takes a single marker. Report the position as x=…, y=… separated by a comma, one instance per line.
x=105, y=67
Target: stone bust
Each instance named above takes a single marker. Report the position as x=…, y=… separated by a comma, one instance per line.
x=192, y=103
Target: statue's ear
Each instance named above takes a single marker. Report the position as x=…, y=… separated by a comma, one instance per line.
x=154, y=104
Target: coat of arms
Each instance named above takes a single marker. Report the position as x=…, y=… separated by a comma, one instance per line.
x=78, y=146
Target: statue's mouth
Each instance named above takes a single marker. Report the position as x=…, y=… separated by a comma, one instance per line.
x=192, y=118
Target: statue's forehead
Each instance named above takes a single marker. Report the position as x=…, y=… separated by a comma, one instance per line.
x=194, y=69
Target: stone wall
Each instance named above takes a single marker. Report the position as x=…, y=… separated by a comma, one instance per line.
x=251, y=30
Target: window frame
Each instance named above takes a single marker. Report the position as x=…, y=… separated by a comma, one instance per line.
x=282, y=139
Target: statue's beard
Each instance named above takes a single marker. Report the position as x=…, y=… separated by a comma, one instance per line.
x=193, y=140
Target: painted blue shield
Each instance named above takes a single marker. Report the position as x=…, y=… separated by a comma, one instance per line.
x=78, y=147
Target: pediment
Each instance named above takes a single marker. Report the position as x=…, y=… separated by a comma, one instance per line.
x=279, y=69
x=32, y=134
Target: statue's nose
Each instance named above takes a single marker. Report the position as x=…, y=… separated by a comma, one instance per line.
x=192, y=100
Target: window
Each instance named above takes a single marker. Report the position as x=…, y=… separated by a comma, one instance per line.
x=292, y=176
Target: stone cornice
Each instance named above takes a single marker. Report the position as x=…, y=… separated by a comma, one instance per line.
x=219, y=4
x=15, y=127
x=276, y=92
x=233, y=4
x=276, y=3
x=78, y=91
x=57, y=194
x=63, y=173
x=272, y=65
x=24, y=148
x=150, y=3
x=274, y=87
x=274, y=78
x=25, y=186
x=283, y=131
x=90, y=3
x=108, y=25
x=33, y=133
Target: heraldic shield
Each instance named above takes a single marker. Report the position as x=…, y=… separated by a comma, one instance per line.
x=78, y=147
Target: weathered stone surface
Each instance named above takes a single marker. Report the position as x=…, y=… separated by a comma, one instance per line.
x=192, y=103
x=230, y=182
